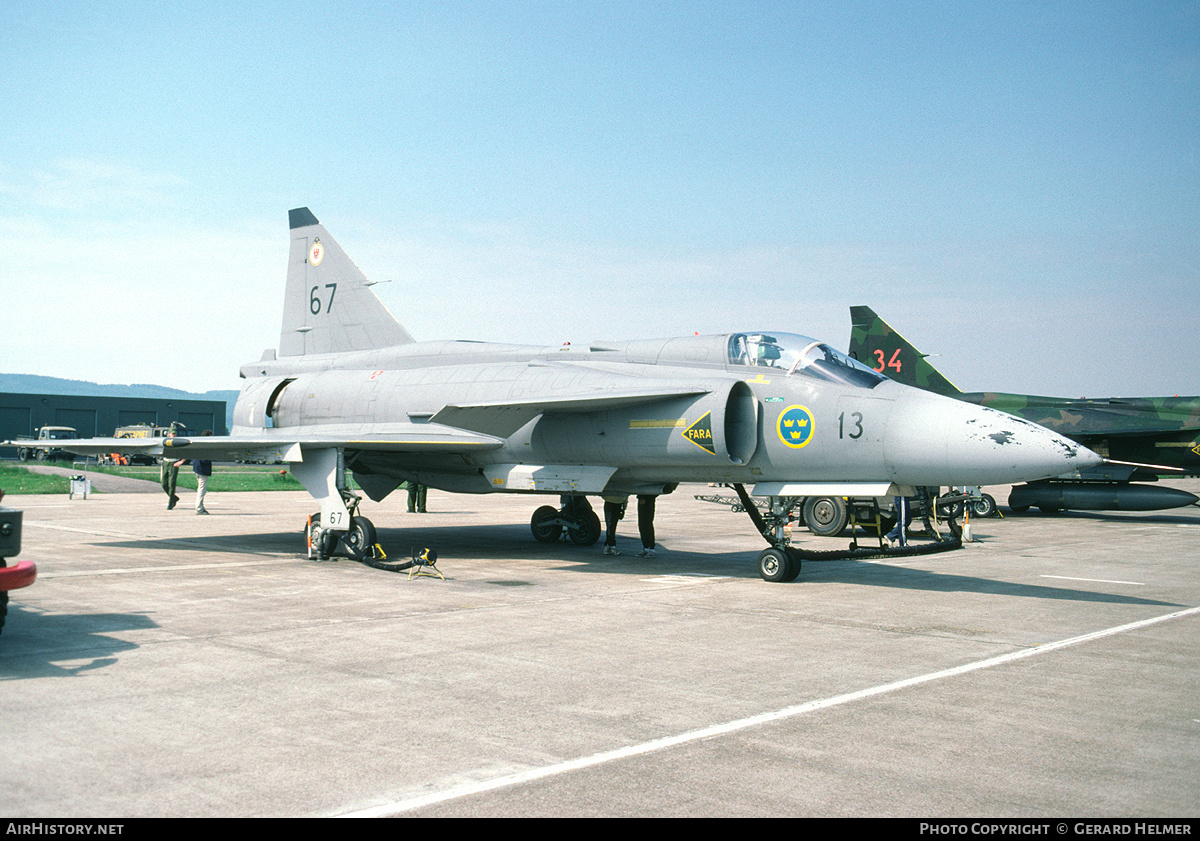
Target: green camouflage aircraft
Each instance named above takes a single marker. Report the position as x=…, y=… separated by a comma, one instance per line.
x=1141, y=437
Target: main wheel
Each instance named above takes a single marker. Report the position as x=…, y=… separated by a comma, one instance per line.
x=543, y=530
x=826, y=516
x=360, y=539
x=776, y=565
x=985, y=506
x=588, y=531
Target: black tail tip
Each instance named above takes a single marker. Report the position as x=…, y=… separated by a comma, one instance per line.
x=301, y=217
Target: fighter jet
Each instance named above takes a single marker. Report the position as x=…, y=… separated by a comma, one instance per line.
x=1140, y=438
x=350, y=391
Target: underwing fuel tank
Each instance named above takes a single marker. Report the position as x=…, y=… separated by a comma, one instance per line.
x=1097, y=496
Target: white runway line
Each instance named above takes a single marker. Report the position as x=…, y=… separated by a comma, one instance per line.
x=1094, y=580
x=532, y=774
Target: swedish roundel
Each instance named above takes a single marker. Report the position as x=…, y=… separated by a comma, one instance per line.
x=795, y=426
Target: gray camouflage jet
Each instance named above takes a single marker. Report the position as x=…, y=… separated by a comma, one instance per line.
x=351, y=390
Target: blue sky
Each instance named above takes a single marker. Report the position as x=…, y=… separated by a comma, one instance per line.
x=1015, y=186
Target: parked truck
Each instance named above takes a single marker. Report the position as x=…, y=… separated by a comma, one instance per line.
x=49, y=433
x=143, y=430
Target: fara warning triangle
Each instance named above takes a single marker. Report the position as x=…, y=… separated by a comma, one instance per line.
x=700, y=433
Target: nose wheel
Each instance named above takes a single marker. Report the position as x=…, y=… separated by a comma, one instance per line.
x=779, y=564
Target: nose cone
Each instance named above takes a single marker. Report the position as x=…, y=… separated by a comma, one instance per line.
x=935, y=440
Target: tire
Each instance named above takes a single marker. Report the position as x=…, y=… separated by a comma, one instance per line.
x=588, y=532
x=794, y=558
x=985, y=506
x=314, y=534
x=543, y=531
x=360, y=539
x=826, y=516
x=775, y=565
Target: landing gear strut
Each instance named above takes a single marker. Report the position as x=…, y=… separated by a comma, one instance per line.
x=338, y=525
x=576, y=517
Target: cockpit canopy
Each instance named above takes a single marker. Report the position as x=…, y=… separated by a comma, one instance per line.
x=794, y=354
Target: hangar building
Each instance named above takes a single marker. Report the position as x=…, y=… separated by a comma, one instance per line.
x=22, y=414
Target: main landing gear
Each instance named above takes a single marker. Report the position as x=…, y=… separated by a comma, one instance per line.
x=356, y=542
x=575, y=517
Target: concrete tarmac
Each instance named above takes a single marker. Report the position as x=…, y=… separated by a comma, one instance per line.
x=168, y=664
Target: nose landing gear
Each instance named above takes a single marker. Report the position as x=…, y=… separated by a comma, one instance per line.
x=781, y=562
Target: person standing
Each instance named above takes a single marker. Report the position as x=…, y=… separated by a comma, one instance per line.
x=646, y=524
x=203, y=469
x=417, y=494
x=169, y=475
x=898, y=535
x=614, y=512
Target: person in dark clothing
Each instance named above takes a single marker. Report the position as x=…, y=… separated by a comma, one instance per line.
x=417, y=494
x=169, y=475
x=614, y=512
x=646, y=524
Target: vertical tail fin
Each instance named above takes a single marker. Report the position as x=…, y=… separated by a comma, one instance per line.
x=873, y=342
x=328, y=306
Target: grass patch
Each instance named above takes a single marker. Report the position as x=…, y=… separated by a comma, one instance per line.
x=241, y=480
x=226, y=478
x=18, y=480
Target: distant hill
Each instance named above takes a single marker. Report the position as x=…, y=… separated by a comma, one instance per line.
x=32, y=384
